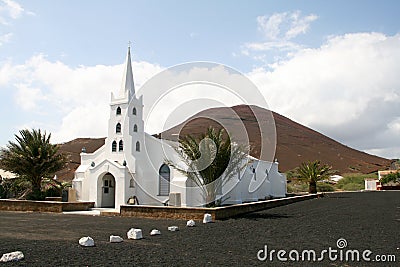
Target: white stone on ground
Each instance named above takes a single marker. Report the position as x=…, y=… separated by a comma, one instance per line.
x=116, y=239
x=190, y=223
x=86, y=241
x=155, y=232
x=12, y=256
x=173, y=228
x=207, y=218
x=135, y=233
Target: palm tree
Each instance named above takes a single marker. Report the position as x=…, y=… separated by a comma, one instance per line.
x=211, y=161
x=313, y=171
x=32, y=157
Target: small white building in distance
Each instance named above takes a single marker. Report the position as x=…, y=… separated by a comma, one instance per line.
x=131, y=165
x=375, y=184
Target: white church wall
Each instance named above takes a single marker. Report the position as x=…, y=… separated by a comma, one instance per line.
x=246, y=188
x=278, y=182
x=254, y=183
x=178, y=185
x=130, y=186
x=79, y=183
x=191, y=194
x=264, y=170
x=195, y=195
x=151, y=157
x=120, y=187
x=87, y=158
x=232, y=191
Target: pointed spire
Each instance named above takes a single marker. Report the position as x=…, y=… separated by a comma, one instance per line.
x=128, y=86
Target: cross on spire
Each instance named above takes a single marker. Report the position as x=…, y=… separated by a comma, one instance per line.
x=129, y=44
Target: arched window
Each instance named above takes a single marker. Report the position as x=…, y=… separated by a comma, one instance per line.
x=121, y=145
x=164, y=176
x=135, y=128
x=134, y=111
x=118, y=128
x=118, y=112
x=131, y=183
x=137, y=146
x=114, y=146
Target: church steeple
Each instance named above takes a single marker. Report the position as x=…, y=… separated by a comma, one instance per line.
x=128, y=86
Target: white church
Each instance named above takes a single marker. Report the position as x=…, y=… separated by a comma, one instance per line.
x=130, y=165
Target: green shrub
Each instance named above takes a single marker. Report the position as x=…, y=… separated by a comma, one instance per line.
x=324, y=187
x=354, y=181
x=3, y=192
x=391, y=177
x=353, y=187
x=52, y=192
x=296, y=187
x=36, y=195
x=13, y=188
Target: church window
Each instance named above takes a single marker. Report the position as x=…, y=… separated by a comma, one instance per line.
x=137, y=146
x=131, y=183
x=118, y=112
x=118, y=128
x=134, y=111
x=135, y=128
x=121, y=145
x=114, y=146
x=164, y=175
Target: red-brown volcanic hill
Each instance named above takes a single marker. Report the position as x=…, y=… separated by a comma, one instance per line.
x=295, y=142
x=73, y=149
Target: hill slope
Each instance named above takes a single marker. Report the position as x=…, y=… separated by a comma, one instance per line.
x=295, y=142
x=73, y=149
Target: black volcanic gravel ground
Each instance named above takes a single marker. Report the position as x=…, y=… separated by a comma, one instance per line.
x=367, y=220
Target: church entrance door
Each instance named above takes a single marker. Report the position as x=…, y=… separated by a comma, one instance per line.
x=108, y=191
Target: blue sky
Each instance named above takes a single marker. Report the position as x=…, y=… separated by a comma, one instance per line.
x=330, y=65
x=170, y=32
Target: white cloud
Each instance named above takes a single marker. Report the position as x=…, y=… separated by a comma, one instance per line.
x=348, y=88
x=27, y=97
x=278, y=31
x=392, y=152
x=5, y=38
x=270, y=26
x=395, y=126
x=11, y=10
x=75, y=100
x=83, y=121
x=283, y=46
x=298, y=24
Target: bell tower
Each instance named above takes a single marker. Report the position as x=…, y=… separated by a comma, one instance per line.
x=125, y=125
